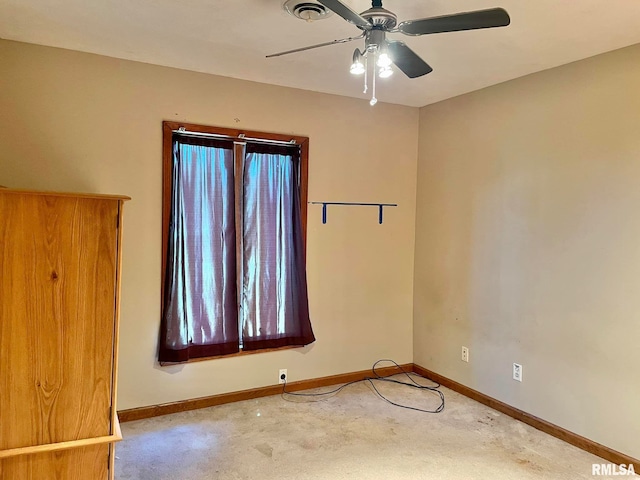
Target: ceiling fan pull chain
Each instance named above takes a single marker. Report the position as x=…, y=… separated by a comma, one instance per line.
x=373, y=100
x=366, y=69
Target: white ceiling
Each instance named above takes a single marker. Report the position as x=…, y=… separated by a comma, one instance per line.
x=231, y=38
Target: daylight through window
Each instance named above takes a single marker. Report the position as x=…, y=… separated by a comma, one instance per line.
x=234, y=229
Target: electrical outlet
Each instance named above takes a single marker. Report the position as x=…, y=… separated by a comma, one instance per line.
x=465, y=354
x=517, y=372
x=282, y=375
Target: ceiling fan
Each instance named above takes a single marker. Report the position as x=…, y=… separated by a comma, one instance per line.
x=376, y=22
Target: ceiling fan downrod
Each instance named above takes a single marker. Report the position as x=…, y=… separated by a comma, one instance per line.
x=375, y=47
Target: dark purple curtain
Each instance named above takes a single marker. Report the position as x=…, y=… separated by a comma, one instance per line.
x=200, y=304
x=275, y=308
x=200, y=313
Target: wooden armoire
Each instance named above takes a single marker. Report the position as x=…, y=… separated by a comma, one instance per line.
x=59, y=305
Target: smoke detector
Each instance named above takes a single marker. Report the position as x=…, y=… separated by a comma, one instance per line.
x=308, y=11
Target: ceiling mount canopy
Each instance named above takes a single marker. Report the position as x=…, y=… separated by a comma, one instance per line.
x=308, y=11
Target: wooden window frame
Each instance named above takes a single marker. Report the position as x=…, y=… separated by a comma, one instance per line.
x=238, y=136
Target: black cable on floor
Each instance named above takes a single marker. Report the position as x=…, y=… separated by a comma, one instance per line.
x=376, y=377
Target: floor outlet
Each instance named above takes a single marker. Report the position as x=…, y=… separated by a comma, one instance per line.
x=517, y=372
x=465, y=354
x=282, y=375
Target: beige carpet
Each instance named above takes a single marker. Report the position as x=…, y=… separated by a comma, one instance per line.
x=351, y=435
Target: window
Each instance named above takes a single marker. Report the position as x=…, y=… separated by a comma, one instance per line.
x=234, y=230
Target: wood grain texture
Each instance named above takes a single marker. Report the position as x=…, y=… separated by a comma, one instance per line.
x=167, y=171
x=58, y=264
x=204, y=402
x=238, y=160
x=57, y=258
x=112, y=449
x=115, y=422
x=304, y=188
x=56, y=447
x=233, y=133
x=86, y=463
x=116, y=323
x=99, y=196
x=547, y=427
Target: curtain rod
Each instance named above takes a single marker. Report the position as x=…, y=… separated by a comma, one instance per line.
x=241, y=137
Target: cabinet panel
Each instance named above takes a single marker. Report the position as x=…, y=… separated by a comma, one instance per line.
x=87, y=463
x=57, y=306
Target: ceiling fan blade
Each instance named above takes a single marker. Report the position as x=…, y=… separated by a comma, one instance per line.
x=302, y=49
x=345, y=12
x=407, y=60
x=493, y=17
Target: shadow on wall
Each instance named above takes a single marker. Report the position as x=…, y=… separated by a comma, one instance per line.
x=173, y=368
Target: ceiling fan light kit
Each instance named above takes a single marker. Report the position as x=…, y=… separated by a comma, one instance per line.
x=376, y=22
x=385, y=72
x=357, y=67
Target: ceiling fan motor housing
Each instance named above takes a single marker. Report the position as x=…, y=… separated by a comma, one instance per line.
x=375, y=39
x=380, y=18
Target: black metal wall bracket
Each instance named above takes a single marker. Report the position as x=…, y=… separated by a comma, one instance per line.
x=379, y=205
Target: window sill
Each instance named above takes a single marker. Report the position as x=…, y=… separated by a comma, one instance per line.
x=241, y=353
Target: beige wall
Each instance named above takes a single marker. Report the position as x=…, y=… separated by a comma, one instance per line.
x=528, y=244
x=77, y=122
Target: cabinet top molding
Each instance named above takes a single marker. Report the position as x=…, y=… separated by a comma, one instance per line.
x=63, y=194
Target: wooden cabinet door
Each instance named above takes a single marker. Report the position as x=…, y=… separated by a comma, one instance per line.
x=57, y=304
x=86, y=463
